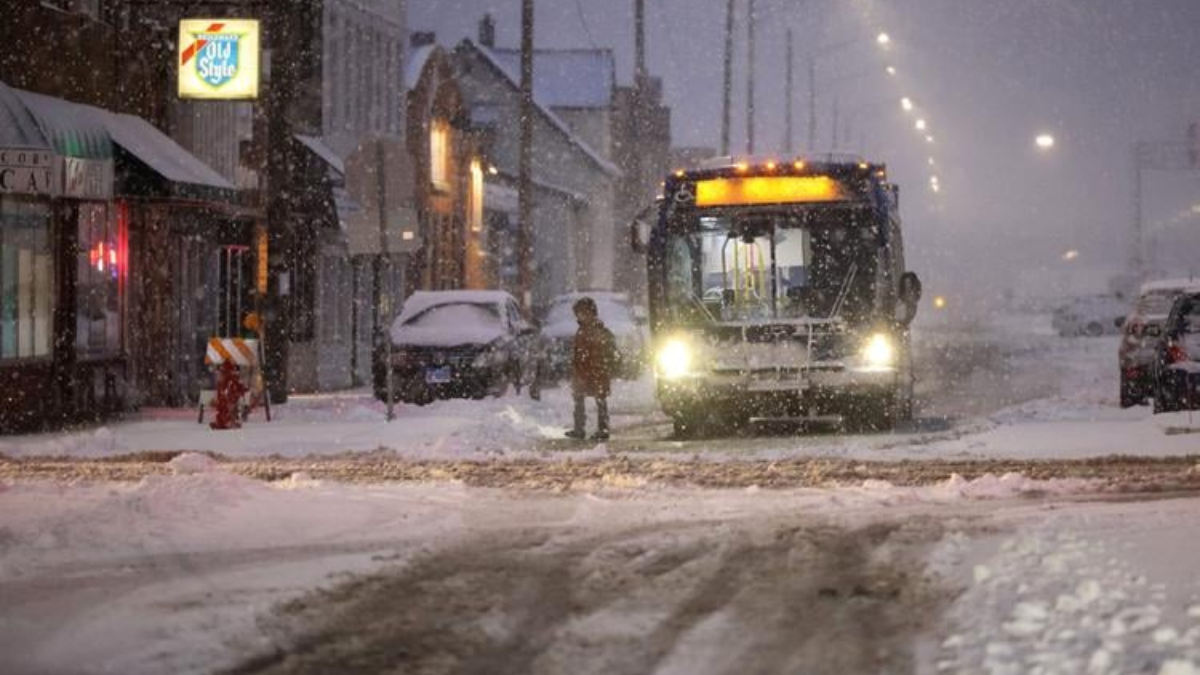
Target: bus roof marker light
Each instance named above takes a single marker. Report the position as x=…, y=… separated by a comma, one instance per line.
x=771, y=166
x=798, y=165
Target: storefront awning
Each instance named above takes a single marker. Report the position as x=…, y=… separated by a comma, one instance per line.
x=73, y=129
x=324, y=152
x=181, y=175
x=18, y=129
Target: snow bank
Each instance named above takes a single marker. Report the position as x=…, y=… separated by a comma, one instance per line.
x=1091, y=589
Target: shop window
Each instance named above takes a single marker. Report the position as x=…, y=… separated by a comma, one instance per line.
x=26, y=279
x=439, y=154
x=99, y=284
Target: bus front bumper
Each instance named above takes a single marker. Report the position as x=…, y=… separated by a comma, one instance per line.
x=774, y=394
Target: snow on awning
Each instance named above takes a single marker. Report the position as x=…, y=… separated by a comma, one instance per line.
x=18, y=129
x=324, y=152
x=73, y=129
x=186, y=175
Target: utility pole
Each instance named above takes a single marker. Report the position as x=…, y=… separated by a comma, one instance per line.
x=525, y=169
x=280, y=96
x=639, y=55
x=834, y=135
x=750, y=67
x=1137, y=257
x=788, y=92
x=812, y=103
x=726, y=108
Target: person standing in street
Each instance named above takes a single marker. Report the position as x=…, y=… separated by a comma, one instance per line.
x=593, y=364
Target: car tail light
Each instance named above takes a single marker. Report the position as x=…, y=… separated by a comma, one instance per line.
x=1177, y=354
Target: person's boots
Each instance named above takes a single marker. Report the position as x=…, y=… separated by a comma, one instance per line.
x=577, y=434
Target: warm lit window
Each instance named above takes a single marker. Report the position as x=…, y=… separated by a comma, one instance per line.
x=476, y=219
x=439, y=154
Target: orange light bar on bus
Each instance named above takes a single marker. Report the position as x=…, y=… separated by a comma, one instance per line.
x=767, y=190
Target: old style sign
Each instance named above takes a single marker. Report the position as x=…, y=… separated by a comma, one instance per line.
x=218, y=59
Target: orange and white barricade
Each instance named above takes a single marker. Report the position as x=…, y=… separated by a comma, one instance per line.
x=246, y=354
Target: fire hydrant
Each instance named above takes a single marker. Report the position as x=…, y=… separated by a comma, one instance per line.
x=229, y=394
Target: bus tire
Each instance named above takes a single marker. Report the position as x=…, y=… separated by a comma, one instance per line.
x=870, y=414
x=687, y=425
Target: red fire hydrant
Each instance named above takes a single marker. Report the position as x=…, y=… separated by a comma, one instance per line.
x=229, y=393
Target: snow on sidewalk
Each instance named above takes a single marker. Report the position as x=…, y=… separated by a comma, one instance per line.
x=1083, y=588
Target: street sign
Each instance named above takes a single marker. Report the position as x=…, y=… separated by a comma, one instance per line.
x=218, y=59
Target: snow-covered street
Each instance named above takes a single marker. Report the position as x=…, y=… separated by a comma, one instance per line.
x=1002, y=533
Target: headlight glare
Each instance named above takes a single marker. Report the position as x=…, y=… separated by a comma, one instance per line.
x=879, y=352
x=674, y=359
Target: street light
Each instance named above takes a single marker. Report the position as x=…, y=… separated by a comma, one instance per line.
x=1044, y=141
x=929, y=139
x=920, y=125
x=883, y=39
x=907, y=104
x=891, y=70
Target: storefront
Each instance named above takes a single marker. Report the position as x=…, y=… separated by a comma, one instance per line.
x=78, y=185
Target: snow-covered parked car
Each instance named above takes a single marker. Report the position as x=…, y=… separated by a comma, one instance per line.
x=559, y=328
x=1142, y=330
x=449, y=344
x=1177, y=357
x=1093, y=316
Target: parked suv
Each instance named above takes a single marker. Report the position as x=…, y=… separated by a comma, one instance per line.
x=1177, y=357
x=457, y=344
x=559, y=327
x=1141, y=332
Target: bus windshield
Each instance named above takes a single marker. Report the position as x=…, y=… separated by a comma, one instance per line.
x=763, y=268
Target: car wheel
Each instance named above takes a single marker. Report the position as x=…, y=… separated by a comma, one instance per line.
x=1094, y=329
x=1131, y=394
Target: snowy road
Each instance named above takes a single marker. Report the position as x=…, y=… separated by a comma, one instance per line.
x=1022, y=527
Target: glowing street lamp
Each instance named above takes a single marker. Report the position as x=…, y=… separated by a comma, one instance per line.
x=1044, y=141
x=883, y=39
x=920, y=125
x=891, y=70
x=907, y=104
x=929, y=139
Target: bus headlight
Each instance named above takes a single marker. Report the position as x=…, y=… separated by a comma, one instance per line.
x=674, y=359
x=879, y=353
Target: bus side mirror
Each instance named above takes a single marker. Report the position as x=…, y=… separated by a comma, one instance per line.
x=910, y=296
x=636, y=243
x=639, y=229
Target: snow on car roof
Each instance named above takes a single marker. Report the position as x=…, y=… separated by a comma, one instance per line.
x=422, y=300
x=1178, y=284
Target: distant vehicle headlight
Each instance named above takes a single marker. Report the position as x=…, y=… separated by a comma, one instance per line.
x=674, y=359
x=879, y=353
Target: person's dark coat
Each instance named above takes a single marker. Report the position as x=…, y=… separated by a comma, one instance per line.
x=594, y=360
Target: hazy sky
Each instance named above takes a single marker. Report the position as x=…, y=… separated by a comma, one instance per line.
x=987, y=75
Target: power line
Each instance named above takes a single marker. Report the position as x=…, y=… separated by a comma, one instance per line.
x=587, y=30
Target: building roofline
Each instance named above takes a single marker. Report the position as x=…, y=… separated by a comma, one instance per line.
x=554, y=120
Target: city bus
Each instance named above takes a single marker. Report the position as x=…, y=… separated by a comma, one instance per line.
x=777, y=291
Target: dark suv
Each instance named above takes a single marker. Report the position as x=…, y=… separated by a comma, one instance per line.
x=1177, y=358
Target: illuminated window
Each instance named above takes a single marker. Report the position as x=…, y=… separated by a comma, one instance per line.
x=26, y=279
x=101, y=269
x=439, y=154
x=476, y=218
